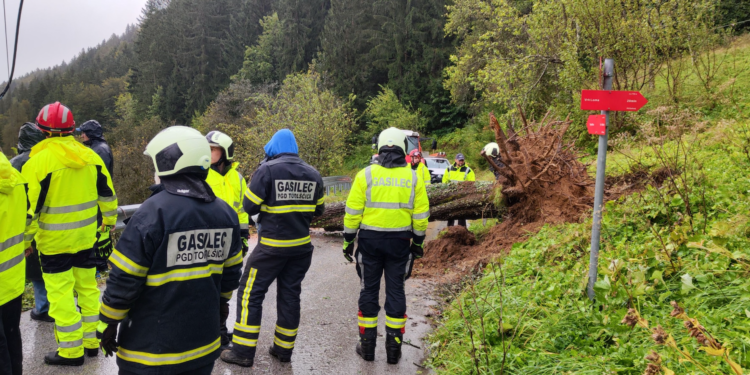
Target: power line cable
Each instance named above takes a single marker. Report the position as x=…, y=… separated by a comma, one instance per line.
x=7, y=54
x=15, y=50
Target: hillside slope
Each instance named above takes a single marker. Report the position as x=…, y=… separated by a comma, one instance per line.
x=673, y=270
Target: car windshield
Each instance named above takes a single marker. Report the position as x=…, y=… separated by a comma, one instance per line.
x=437, y=163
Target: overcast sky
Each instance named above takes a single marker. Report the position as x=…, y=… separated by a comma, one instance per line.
x=53, y=31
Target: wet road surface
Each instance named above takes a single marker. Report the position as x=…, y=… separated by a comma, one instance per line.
x=327, y=333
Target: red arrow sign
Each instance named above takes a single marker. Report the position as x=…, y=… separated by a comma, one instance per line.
x=600, y=100
x=597, y=124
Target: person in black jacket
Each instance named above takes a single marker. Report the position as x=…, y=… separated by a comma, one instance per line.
x=91, y=134
x=178, y=258
x=28, y=136
x=286, y=192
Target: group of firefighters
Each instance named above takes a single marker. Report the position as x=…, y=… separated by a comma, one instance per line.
x=180, y=257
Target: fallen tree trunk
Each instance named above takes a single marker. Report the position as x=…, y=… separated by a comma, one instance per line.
x=464, y=200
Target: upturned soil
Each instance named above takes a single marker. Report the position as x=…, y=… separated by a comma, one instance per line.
x=456, y=252
x=542, y=182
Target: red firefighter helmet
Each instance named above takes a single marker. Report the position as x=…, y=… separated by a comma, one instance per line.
x=56, y=118
x=415, y=156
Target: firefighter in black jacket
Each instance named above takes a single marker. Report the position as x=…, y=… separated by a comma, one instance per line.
x=287, y=192
x=179, y=255
x=91, y=135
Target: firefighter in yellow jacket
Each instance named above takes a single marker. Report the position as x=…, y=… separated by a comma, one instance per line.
x=228, y=185
x=14, y=217
x=389, y=208
x=67, y=182
x=458, y=172
x=418, y=166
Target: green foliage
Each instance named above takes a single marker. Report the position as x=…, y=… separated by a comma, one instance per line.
x=480, y=229
x=321, y=122
x=398, y=43
x=735, y=14
x=261, y=60
x=10, y=123
x=385, y=111
x=89, y=85
x=187, y=50
x=469, y=141
x=357, y=158
x=543, y=59
x=529, y=314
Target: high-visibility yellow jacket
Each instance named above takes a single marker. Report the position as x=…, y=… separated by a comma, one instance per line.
x=423, y=172
x=387, y=200
x=14, y=217
x=456, y=173
x=231, y=189
x=67, y=181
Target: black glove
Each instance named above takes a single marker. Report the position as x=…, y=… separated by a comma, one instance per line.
x=224, y=311
x=108, y=337
x=348, y=250
x=417, y=249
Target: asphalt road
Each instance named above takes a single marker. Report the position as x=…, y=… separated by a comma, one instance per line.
x=327, y=333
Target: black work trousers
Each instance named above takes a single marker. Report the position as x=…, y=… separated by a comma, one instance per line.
x=205, y=370
x=375, y=257
x=11, y=354
x=461, y=222
x=263, y=267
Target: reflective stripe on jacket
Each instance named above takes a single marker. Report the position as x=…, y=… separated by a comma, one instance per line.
x=455, y=173
x=174, y=260
x=231, y=188
x=67, y=182
x=287, y=193
x=14, y=217
x=423, y=172
x=387, y=200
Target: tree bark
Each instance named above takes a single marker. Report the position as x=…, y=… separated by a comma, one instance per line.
x=464, y=200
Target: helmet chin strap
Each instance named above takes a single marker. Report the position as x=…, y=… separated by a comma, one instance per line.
x=221, y=165
x=49, y=134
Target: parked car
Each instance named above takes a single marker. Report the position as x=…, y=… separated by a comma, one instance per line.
x=437, y=168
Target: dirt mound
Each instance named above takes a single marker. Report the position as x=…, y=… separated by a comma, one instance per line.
x=453, y=246
x=543, y=182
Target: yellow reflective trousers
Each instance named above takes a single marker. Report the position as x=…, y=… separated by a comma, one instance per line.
x=74, y=330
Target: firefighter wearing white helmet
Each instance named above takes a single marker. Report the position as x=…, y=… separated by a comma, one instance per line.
x=228, y=185
x=178, y=256
x=492, y=150
x=388, y=208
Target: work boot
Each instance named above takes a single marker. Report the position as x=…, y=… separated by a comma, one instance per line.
x=91, y=352
x=53, y=358
x=366, y=344
x=42, y=317
x=282, y=357
x=229, y=356
x=393, y=347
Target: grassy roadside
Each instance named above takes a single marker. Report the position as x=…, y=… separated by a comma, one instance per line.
x=528, y=314
x=685, y=241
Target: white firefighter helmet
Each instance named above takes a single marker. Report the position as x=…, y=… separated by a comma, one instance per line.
x=392, y=137
x=216, y=138
x=179, y=149
x=492, y=149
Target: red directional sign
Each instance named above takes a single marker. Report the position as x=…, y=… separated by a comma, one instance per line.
x=601, y=100
x=597, y=124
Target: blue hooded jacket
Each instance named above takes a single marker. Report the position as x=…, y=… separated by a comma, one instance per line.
x=282, y=142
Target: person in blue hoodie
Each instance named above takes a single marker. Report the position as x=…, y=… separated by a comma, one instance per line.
x=286, y=193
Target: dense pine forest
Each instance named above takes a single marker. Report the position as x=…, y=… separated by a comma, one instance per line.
x=354, y=67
